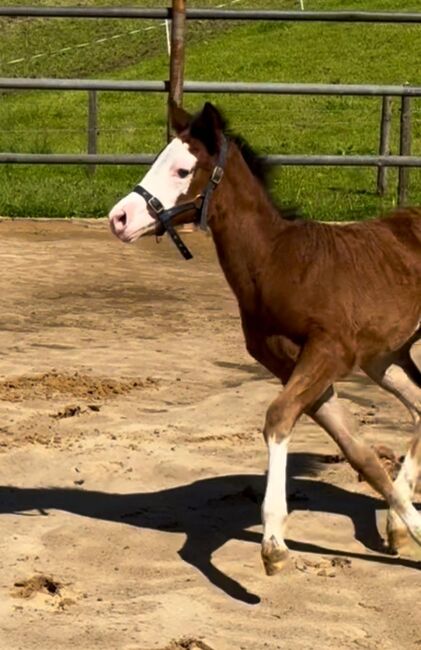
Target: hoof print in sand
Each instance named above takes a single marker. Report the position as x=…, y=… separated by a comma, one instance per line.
x=325, y=567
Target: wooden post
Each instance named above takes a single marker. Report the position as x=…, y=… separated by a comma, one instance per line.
x=178, y=30
x=404, y=149
x=92, y=126
x=384, y=149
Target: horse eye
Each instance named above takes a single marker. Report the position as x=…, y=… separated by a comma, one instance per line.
x=183, y=173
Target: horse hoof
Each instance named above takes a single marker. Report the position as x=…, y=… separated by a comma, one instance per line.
x=274, y=557
x=401, y=543
x=397, y=538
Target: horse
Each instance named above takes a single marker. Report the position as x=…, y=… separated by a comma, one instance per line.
x=316, y=301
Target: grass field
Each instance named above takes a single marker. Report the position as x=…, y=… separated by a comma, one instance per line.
x=50, y=122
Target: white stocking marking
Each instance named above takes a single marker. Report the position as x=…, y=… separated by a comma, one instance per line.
x=274, y=508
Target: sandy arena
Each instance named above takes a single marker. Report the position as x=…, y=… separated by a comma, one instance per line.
x=132, y=466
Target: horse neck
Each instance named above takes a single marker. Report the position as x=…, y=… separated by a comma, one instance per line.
x=243, y=222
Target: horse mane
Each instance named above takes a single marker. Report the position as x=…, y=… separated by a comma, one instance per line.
x=258, y=167
x=262, y=172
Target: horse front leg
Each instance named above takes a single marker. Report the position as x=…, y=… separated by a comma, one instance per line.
x=317, y=367
x=278, y=355
x=274, y=507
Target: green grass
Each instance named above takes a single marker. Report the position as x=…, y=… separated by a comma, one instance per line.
x=50, y=122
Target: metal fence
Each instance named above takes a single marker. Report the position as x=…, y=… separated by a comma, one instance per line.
x=176, y=85
x=213, y=14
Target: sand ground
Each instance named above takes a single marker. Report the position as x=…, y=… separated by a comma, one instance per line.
x=132, y=466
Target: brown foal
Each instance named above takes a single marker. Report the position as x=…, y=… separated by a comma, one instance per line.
x=316, y=301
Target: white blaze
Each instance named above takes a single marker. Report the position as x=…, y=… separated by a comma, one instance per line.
x=130, y=218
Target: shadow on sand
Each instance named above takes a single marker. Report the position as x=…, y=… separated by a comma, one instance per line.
x=212, y=511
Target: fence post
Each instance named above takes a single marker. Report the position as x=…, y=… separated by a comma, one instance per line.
x=92, y=126
x=384, y=149
x=404, y=148
x=178, y=29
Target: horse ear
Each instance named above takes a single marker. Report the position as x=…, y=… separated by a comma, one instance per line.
x=207, y=127
x=211, y=114
x=179, y=118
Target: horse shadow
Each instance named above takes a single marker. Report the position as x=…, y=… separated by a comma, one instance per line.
x=212, y=511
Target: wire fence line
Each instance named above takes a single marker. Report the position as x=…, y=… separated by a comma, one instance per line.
x=78, y=46
x=143, y=130
x=100, y=41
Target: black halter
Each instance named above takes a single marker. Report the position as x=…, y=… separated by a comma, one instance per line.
x=200, y=204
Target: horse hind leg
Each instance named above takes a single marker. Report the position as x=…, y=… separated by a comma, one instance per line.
x=332, y=417
x=400, y=376
x=406, y=481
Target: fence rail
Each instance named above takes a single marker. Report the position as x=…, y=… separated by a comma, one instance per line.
x=237, y=87
x=215, y=14
x=147, y=159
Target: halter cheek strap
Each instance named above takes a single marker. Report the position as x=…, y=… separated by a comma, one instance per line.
x=164, y=216
x=215, y=179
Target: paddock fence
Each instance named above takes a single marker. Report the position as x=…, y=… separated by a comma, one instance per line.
x=176, y=16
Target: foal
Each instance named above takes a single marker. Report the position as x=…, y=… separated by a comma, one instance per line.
x=315, y=300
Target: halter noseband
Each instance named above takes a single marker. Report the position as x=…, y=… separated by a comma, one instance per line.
x=201, y=204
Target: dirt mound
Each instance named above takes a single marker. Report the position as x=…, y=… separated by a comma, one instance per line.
x=40, y=583
x=44, y=586
x=55, y=384
x=188, y=644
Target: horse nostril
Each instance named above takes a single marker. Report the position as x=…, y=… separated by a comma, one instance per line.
x=122, y=219
x=118, y=222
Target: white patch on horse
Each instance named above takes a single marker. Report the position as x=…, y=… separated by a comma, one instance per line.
x=274, y=507
x=131, y=217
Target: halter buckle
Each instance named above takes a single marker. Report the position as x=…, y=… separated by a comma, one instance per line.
x=155, y=205
x=217, y=175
